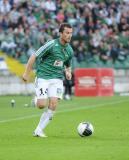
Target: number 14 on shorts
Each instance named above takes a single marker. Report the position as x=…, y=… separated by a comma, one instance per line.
x=43, y=93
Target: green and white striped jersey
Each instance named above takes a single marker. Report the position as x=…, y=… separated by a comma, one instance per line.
x=51, y=59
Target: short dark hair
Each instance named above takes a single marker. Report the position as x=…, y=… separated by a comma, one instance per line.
x=63, y=25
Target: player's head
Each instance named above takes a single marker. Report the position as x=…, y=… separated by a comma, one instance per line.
x=65, y=31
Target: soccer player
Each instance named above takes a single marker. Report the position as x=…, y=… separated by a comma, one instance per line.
x=52, y=59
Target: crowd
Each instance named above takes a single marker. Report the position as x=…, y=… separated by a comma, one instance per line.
x=101, y=28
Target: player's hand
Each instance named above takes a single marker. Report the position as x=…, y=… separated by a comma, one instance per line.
x=68, y=75
x=25, y=77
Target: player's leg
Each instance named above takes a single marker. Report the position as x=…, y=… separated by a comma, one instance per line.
x=41, y=87
x=55, y=92
x=48, y=114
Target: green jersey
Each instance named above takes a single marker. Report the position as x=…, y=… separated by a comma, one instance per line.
x=51, y=59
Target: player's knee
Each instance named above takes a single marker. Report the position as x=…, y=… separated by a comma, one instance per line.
x=41, y=105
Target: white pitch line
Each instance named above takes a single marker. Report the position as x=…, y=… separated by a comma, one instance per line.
x=63, y=111
x=92, y=106
x=19, y=118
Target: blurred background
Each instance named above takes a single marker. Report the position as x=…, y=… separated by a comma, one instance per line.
x=100, y=38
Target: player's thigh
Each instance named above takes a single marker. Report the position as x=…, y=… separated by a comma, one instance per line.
x=41, y=90
x=55, y=88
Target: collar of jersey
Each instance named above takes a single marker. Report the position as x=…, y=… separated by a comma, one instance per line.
x=62, y=44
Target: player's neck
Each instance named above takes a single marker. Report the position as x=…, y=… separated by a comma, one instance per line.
x=62, y=42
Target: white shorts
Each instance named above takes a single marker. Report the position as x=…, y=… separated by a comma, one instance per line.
x=48, y=88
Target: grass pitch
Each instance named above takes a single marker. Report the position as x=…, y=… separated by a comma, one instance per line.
x=109, y=116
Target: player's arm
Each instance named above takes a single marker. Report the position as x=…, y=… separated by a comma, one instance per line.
x=68, y=65
x=28, y=68
x=42, y=51
x=68, y=73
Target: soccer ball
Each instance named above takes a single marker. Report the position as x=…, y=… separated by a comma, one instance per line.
x=85, y=129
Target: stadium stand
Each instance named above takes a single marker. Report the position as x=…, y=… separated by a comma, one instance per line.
x=101, y=29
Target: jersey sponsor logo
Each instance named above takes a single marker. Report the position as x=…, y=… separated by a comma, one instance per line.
x=58, y=63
